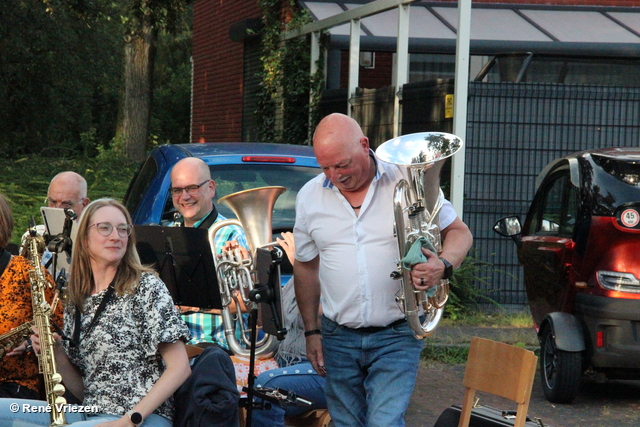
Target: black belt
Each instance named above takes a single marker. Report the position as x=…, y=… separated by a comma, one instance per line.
x=373, y=329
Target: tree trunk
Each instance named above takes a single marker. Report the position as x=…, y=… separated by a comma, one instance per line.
x=133, y=130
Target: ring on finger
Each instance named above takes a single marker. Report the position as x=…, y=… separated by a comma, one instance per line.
x=422, y=281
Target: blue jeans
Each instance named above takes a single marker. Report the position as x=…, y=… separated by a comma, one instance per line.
x=301, y=379
x=10, y=417
x=370, y=375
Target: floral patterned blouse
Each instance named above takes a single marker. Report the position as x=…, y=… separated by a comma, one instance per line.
x=119, y=358
x=16, y=309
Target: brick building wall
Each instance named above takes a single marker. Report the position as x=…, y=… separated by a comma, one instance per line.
x=218, y=70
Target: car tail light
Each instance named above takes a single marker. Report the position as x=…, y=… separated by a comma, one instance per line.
x=600, y=339
x=268, y=159
x=616, y=281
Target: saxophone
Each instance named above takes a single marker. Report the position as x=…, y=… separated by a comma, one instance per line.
x=41, y=312
x=16, y=336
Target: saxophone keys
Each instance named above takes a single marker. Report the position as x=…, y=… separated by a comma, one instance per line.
x=56, y=378
x=59, y=390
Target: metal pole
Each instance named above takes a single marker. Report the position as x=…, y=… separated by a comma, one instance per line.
x=315, y=56
x=401, y=65
x=461, y=91
x=354, y=63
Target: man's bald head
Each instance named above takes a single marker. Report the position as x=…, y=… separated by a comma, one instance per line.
x=197, y=204
x=342, y=151
x=68, y=190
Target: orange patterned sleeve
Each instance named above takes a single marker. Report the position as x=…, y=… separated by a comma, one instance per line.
x=16, y=309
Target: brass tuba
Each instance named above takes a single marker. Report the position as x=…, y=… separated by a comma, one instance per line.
x=416, y=207
x=236, y=276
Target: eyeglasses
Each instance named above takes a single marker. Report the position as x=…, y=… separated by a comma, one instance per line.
x=105, y=229
x=67, y=204
x=191, y=190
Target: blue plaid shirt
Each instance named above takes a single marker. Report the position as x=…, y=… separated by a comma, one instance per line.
x=206, y=327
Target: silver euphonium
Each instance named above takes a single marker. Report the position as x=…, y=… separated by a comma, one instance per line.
x=417, y=202
x=236, y=275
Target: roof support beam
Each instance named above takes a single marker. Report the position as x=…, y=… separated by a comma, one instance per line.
x=461, y=91
x=315, y=57
x=344, y=17
x=401, y=64
x=354, y=63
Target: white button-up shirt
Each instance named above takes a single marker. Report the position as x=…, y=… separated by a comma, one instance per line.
x=357, y=252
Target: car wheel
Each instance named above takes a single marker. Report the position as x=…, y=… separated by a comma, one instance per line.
x=561, y=371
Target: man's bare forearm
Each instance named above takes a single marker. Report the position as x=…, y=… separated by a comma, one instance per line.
x=307, y=287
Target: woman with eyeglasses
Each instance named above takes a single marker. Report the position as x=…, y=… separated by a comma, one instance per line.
x=124, y=351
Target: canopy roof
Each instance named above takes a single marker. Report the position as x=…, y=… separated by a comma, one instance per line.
x=495, y=28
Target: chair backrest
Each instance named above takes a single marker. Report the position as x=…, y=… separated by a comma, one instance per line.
x=499, y=369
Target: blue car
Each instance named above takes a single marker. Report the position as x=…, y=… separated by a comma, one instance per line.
x=234, y=167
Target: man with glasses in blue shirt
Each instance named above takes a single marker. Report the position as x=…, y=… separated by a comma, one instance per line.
x=192, y=192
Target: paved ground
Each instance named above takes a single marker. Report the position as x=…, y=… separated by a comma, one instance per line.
x=616, y=403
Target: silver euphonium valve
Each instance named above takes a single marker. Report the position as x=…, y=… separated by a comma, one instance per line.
x=236, y=275
x=417, y=202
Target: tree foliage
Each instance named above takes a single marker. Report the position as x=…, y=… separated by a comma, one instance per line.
x=143, y=20
x=58, y=79
x=61, y=74
x=284, y=97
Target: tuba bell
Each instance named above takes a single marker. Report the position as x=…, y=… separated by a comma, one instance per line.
x=417, y=202
x=236, y=276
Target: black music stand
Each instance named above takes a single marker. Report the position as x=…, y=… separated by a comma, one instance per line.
x=182, y=257
x=266, y=292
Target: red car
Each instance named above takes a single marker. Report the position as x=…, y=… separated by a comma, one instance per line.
x=580, y=250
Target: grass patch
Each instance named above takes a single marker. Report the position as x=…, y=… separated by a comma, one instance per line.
x=451, y=355
x=520, y=319
x=27, y=180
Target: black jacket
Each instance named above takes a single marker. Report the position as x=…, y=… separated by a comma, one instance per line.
x=209, y=397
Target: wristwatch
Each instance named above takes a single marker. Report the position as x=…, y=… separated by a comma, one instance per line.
x=448, y=269
x=135, y=417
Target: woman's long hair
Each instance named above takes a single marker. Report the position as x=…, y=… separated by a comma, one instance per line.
x=6, y=222
x=81, y=282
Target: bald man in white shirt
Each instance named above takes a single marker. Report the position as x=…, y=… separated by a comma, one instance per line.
x=345, y=250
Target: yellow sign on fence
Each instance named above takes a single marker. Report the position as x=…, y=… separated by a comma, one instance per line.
x=448, y=106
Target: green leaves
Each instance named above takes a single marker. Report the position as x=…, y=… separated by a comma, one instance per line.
x=27, y=180
x=284, y=106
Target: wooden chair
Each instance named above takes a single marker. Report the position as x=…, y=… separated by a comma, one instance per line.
x=499, y=369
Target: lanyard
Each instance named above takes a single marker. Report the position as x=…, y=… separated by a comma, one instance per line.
x=103, y=303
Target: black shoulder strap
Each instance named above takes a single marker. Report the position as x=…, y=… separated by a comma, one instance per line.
x=5, y=257
x=208, y=222
x=103, y=303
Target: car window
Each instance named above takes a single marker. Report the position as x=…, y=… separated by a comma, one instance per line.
x=558, y=208
x=140, y=183
x=233, y=178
